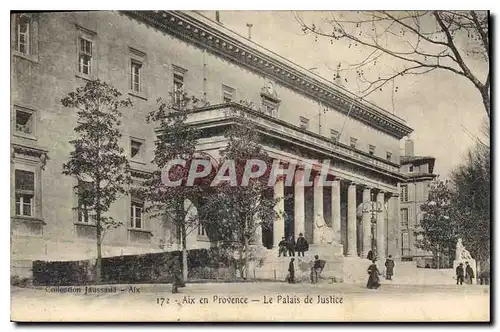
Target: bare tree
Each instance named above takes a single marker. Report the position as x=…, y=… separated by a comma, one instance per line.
x=411, y=43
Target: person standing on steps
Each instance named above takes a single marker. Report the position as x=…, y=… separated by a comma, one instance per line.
x=282, y=247
x=290, y=245
x=291, y=271
x=469, y=273
x=460, y=273
x=317, y=267
x=302, y=245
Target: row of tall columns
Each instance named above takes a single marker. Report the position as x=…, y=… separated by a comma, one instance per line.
x=299, y=215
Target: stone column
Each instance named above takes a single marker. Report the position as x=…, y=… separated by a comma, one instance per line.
x=336, y=221
x=351, y=220
x=279, y=223
x=318, y=209
x=299, y=203
x=380, y=225
x=367, y=216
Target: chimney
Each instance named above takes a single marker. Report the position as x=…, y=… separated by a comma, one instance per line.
x=249, y=25
x=409, y=147
x=217, y=16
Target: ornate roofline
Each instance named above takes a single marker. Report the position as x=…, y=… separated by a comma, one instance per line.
x=206, y=34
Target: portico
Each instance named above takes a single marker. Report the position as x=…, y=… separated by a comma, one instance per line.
x=334, y=219
x=322, y=198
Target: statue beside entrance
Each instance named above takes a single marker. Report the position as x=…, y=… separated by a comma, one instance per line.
x=322, y=231
x=460, y=252
x=463, y=256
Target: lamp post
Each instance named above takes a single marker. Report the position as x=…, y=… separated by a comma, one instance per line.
x=374, y=207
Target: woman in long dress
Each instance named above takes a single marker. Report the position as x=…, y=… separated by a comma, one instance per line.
x=373, y=276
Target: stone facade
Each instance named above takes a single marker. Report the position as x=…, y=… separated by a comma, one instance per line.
x=419, y=171
x=298, y=111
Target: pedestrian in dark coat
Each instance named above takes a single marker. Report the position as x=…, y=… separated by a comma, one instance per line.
x=370, y=255
x=282, y=247
x=302, y=245
x=373, y=276
x=291, y=272
x=460, y=273
x=389, y=268
x=469, y=273
x=290, y=245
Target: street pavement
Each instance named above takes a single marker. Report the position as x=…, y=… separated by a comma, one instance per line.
x=252, y=301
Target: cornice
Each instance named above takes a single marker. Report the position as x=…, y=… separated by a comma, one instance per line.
x=186, y=27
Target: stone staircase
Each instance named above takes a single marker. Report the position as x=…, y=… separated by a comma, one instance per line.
x=405, y=273
x=276, y=268
x=352, y=270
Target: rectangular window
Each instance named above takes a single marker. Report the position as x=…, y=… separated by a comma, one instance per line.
x=85, y=56
x=227, y=94
x=84, y=201
x=404, y=218
x=371, y=149
x=405, y=244
x=304, y=123
x=404, y=193
x=334, y=135
x=135, y=76
x=23, y=34
x=25, y=192
x=136, y=213
x=353, y=142
x=388, y=156
x=136, y=148
x=24, y=122
x=178, y=89
x=270, y=106
x=410, y=169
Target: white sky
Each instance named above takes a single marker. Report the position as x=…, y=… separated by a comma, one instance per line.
x=436, y=106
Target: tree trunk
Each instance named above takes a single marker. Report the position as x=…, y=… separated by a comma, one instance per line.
x=437, y=254
x=184, y=252
x=485, y=95
x=247, y=262
x=98, y=264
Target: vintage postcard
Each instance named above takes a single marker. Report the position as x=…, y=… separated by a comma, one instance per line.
x=319, y=166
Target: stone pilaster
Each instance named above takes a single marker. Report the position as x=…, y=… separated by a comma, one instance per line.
x=367, y=216
x=279, y=223
x=351, y=220
x=299, y=203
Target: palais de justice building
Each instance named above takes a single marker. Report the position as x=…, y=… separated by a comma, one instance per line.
x=146, y=55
